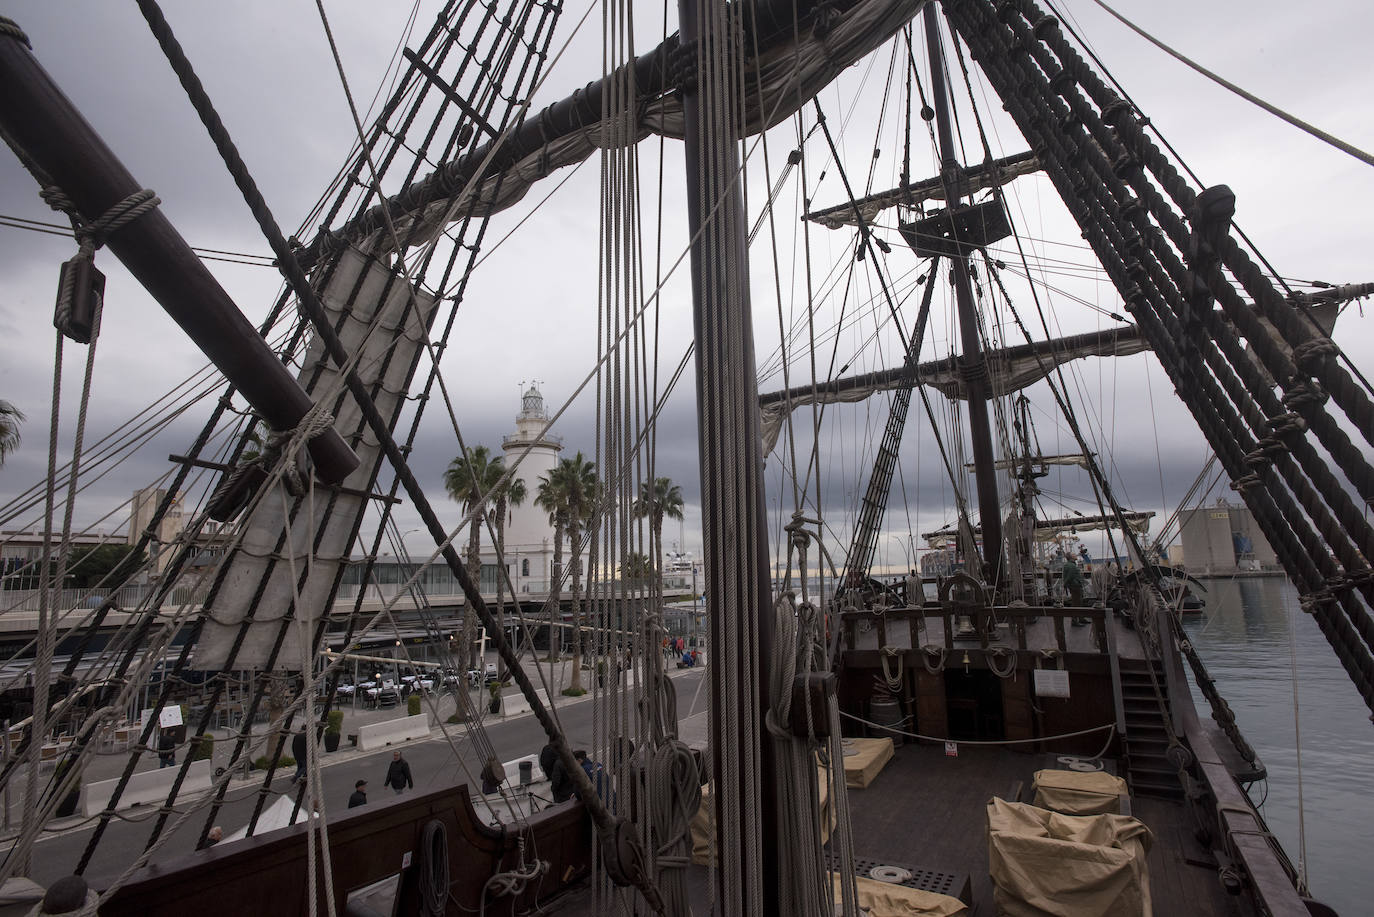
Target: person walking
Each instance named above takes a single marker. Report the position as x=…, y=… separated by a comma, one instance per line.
x=359, y=797
x=398, y=774
x=299, y=749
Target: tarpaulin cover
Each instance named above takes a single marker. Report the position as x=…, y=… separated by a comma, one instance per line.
x=869, y=758
x=1044, y=864
x=883, y=899
x=703, y=824
x=1078, y=792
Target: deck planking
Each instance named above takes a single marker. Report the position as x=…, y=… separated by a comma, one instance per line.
x=929, y=811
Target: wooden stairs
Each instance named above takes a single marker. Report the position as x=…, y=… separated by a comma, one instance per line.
x=1149, y=770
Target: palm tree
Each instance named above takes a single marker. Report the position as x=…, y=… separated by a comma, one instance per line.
x=10, y=416
x=635, y=568
x=658, y=499
x=552, y=496
x=511, y=495
x=583, y=491
x=470, y=478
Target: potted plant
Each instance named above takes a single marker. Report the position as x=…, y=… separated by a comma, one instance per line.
x=203, y=749
x=333, y=730
x=494, y=705
x=413, y=705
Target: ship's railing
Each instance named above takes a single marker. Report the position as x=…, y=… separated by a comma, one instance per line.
x=1249, y=858
x=1014, y=620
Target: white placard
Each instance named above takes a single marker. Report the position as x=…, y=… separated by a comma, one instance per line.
x=1051, y=683
x=144, y=716
x=951, y=749
x=169, y=717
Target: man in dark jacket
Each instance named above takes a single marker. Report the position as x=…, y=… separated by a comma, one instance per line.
x=299, y=748
x=359, y=797
x=166, y=749
x=560, y=784
x=1073, y=588
x=398, y=774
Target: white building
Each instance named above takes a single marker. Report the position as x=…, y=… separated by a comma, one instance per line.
x=529, y=536
x=142, y=508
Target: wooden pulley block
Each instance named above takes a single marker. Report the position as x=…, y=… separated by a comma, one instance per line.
x=81, y=321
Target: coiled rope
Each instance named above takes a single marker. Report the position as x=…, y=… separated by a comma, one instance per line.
x=434, y=869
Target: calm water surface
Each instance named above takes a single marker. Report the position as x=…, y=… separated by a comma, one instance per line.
x=1254, y=639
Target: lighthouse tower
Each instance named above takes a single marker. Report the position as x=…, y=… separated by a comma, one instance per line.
x=529, y=537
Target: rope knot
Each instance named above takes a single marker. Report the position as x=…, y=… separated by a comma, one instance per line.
x=1309, y=354
x=1304, y=394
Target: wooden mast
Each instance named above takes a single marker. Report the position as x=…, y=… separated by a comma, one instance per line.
x=971, y=363
x=734, y=529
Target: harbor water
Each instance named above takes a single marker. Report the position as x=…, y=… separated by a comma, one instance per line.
x=1258, y=645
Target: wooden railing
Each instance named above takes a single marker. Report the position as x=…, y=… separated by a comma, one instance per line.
x=1017, y=618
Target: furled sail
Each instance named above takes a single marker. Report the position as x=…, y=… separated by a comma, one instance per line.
x=974, y=178
x=385, y=326
x=801, y=46
x=1073, y=458
x=1050, y=529
x=1012, y=369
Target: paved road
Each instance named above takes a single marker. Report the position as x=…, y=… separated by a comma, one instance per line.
x=432, y=763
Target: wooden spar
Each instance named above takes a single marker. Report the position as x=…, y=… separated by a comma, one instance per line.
x=1125, y=339
x=39, y=120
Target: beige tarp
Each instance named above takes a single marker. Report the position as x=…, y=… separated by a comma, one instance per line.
x=1044, y=864
x=883, y=899
x=1078, y=792
x=703, y=824
x=869, y=757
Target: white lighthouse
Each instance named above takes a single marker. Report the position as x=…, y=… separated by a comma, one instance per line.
x=529, y=536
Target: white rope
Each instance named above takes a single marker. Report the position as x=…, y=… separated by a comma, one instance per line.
x=915, y=735
x=892, y=680
x=313, y=779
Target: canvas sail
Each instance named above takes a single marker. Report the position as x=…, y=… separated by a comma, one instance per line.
x=1013, y=368
x=386, y=337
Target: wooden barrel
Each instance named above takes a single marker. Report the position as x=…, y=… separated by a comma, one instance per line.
x=886, y=712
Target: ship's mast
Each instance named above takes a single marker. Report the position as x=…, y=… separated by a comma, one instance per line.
x=734, y=525
x=971, y=363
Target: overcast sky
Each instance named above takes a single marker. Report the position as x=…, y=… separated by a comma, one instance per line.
x=531, y=311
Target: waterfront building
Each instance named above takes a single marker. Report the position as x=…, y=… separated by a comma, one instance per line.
x=1223, y=538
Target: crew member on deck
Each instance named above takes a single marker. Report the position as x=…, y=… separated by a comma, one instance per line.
x=1072, y=579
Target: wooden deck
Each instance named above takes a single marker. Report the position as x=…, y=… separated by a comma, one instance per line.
x=928, y=810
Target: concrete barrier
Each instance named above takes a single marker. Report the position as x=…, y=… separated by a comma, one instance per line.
x=391, y=732
x=146, y=787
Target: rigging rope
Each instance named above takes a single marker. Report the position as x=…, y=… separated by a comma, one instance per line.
x=1274, y=110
